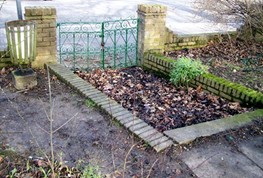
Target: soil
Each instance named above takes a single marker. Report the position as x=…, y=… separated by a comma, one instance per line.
x=158, y=101
x=88, y=137
x=236, y=61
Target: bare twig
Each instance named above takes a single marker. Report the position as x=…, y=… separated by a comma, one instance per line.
x=150, y=171
x=65, y=123
x=51, y=125
x=125, y=160
x=113, y=160
x=248, y=13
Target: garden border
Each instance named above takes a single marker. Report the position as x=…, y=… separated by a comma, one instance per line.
x=157, y=140
x=162, y=65
x=209, y=82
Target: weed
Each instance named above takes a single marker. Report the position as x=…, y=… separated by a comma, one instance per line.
x=13, y=172
x=116, y=123
x=186, y=69
x=91, y=171
x=45, y=173
x=89, y=103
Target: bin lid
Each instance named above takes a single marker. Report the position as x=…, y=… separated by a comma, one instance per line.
x=18, y=23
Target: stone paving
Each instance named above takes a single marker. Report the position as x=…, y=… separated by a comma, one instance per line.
x=222, y=160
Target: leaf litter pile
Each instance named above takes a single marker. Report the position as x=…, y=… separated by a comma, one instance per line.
x=157, y=101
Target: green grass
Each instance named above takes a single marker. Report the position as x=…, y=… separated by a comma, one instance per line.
x=89, y=103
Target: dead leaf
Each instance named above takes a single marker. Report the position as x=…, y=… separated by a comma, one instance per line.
x=3, y=71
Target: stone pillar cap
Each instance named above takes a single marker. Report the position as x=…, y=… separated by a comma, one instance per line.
x=152, y=8
x=40, y=11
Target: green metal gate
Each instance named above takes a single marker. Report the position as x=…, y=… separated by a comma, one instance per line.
x=88, y=45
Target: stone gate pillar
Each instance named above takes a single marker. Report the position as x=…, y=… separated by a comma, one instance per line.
x=152, y=29
x=46, y=47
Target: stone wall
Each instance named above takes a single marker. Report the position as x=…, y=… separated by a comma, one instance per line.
x=210, y=83
x=177, y=42
x=155, y=36
x=45, y=17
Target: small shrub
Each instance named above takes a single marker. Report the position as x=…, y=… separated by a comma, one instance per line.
x=186, y=69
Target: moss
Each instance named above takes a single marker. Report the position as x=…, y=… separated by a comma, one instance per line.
x=245, y=117
x=160, y=56
x=254, y=95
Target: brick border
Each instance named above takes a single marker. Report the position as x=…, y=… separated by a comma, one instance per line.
x=157, y=140
x=209, y=82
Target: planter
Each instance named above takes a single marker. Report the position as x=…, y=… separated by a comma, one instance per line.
x=24, y=79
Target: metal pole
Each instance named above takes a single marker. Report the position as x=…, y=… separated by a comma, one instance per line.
x=19, y=9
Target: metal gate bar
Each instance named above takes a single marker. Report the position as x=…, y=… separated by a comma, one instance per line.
x=88, y=45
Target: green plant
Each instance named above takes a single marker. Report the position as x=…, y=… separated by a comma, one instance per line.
x=13, y=172
x=186, y=69
x=89, y=103
x=45, y=173
x=91, y=172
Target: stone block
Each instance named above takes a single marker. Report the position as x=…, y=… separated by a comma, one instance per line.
x=41, y=60
x=50, y=39
x=26, y=80
x=43, y=44
x=163, y=145
x=49, y=30
x=212, y=90
x=226, y=96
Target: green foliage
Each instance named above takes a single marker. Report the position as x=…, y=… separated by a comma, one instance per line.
x=89, y=103
x=91, y=172
x=13, y=172
x=186, y=69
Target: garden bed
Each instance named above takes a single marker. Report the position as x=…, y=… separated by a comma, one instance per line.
x=157, y=101
x=235, y=61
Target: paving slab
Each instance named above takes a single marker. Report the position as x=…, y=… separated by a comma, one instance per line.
x=163, y=145
x=220, y=161
x=185, y=135
x=253, y=149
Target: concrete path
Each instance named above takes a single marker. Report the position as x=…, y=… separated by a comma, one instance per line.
x=224, y=160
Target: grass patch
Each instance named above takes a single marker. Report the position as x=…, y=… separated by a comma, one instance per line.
x=90, y=103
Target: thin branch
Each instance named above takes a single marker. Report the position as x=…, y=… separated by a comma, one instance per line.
x=65, y=123
x=125, y=160
x=42, y=128
x=150, y=171
x=51, y=125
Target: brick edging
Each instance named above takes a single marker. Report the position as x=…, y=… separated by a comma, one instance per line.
x=157, y=140
x=219, y=86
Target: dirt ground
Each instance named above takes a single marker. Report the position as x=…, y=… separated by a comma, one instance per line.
x=89, y=138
